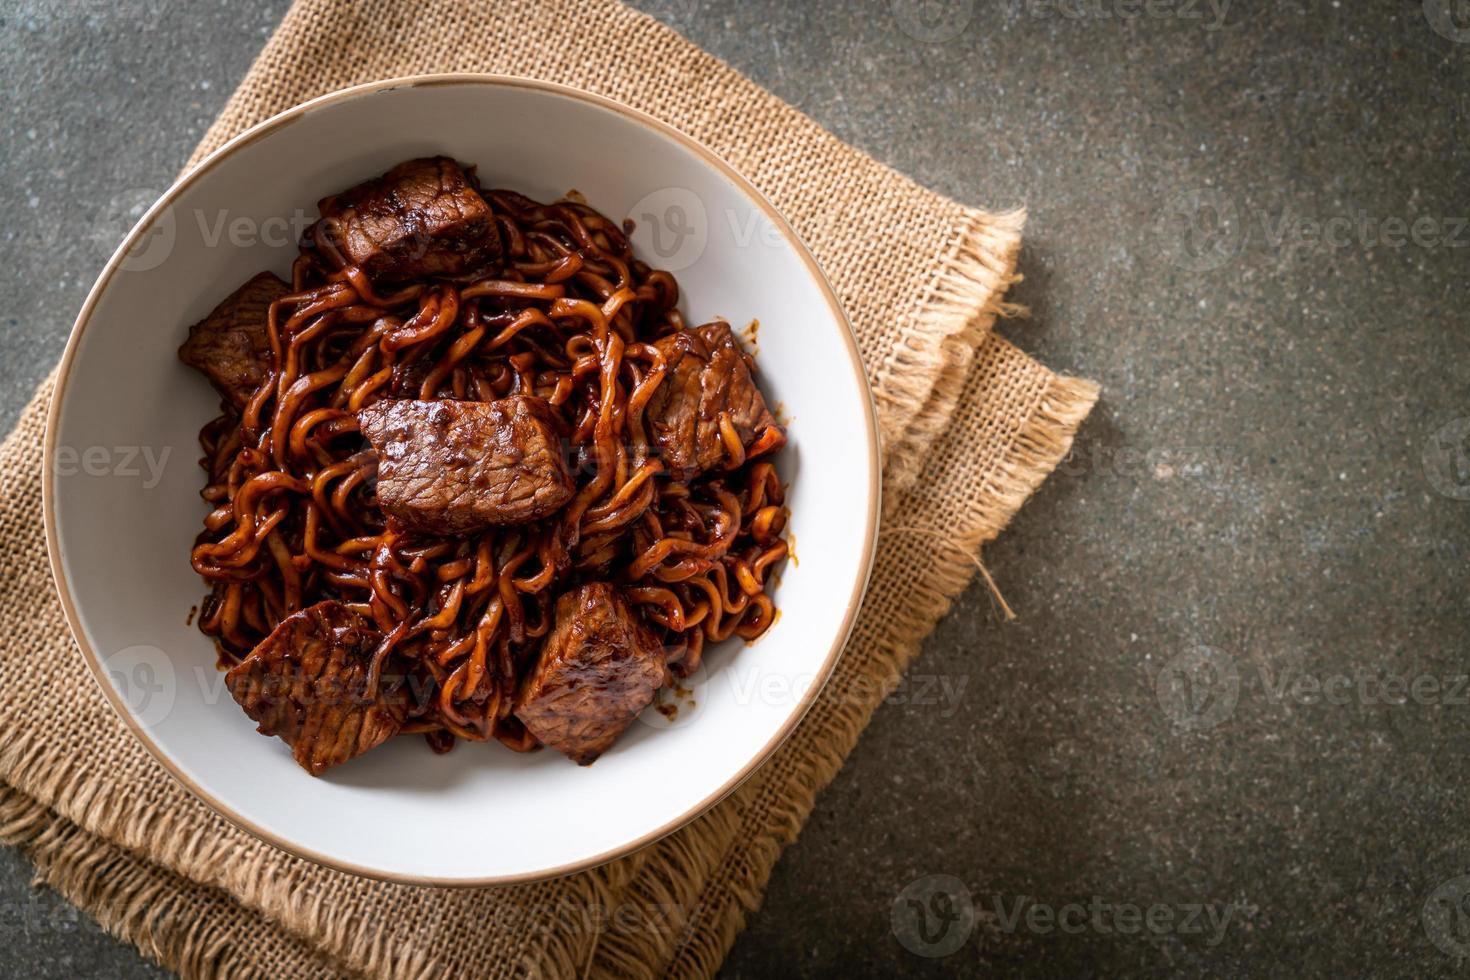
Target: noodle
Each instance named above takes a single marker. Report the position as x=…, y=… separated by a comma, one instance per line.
x=569, y=316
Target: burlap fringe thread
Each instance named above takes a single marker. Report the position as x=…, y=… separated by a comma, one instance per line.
x=131, y=897
x=1041, y=446
x=964, y=300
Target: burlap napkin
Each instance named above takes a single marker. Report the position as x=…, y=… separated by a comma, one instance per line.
x=971, y=426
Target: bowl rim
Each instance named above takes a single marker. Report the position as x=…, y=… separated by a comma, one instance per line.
x=288, y=117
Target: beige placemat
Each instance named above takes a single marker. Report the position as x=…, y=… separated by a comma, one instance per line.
x=971, y=427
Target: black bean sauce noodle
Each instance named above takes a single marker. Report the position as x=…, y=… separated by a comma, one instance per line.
x=569, y=315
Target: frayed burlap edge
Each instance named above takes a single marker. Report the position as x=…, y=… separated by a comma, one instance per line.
x=131, y=899
x=149, y=862
x=674, y=874
x=180, y=925
x=920, y=383
x=86, y=871
x=926, y=370
x=1038, y=447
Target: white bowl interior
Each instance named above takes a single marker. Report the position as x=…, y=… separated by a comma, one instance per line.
x=126, y=484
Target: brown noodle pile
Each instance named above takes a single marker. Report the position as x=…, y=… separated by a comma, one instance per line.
x=569, y=317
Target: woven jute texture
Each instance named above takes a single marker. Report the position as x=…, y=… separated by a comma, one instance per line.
x=971, y=427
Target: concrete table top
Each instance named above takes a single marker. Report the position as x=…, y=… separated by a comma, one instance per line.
x=1226, y=734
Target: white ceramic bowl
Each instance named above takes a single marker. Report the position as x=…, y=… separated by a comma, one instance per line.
x=122, y=494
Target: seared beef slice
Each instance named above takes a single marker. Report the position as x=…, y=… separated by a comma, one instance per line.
x=599, y=668
x=422, y=218
x=232, y=345
x=455, y=467
x=307, y=683
x=708, y=376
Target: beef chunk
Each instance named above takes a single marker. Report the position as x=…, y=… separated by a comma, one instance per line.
x=422, y=218
x=599, y=668
x=708, y=376
x=455, y=467
x=232, y=346
x=307, y=683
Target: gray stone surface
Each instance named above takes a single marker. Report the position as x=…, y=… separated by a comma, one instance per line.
x=1226, y=735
